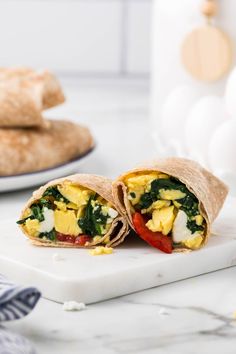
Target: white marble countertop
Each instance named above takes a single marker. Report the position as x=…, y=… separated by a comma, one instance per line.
x=189, y=316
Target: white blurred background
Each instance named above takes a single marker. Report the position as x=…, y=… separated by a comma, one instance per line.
x=84, y=37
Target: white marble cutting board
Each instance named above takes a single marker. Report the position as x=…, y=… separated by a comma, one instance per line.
x=132, y=267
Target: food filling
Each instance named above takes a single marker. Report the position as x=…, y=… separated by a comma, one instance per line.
x=165, y=213
x=70, y=213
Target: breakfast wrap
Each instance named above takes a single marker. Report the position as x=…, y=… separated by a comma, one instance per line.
x=24, y=94
x=31, y=150
x=170, y=203
x=75, y=211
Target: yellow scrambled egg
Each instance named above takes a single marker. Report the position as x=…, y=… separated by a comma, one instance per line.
x=75, y=194
x=156, y=205
x=199, y=219
x=193, y=243
x=100, y=250
x=171, y=194
x=66, y=222
x=162, y=220
x=32, y=227
x=139, y=184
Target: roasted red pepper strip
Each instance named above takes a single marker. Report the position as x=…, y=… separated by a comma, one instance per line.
x=154, y=239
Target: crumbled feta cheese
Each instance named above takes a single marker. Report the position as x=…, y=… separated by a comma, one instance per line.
x=57, y=257
x=163, y=311
x=100, y=250
x=112, y=213
x=73, y=306
x=48, y=223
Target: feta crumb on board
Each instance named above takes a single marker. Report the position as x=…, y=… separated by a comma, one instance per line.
x=100, y=250
x=163, y=311
x=57, y=257
x=73, y=306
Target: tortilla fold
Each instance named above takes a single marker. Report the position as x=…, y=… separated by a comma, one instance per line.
x=209, y=190
x=100, y=185
x=31, y=149
x=24, y=94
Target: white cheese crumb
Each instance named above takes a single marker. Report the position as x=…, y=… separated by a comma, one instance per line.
x=57, y=257
x=112, y=213
x=163, y=311
x=48, y=223
x=73, y=306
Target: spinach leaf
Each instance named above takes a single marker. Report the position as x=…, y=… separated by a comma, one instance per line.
x=93, y=220
x=189, y=202
x=133, y=195
x=22, y=221
x=37, y=212
x=192, y=226
x=189, y=205
x=45, y=203
x=148, y=198
x=54, y=192
x=51, y=235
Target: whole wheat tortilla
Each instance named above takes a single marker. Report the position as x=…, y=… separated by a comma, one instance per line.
x=100, y=185
x=209, y=190
x=24, y=94
x=20, y=106
x=31, y=149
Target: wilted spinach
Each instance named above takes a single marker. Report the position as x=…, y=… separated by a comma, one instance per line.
x=93, y=221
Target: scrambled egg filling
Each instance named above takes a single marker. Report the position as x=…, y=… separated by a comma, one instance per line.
x=69, y=210
x=32, y=227
x=162, y=220
x=100, y=250
x=163, y=211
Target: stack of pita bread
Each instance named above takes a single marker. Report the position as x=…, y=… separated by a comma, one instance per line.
x=28, y=142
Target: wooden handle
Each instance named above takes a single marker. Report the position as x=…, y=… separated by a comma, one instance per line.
x=209, y=8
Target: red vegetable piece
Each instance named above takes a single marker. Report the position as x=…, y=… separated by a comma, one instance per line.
x=65, y=238
x=61, y=237
x=154, y=239
x=82, y=239
x=70, y=239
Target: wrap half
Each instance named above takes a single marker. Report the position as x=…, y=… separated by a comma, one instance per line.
x=75, y=211
x=24, y=94
x=31, y=149
x=170, y=203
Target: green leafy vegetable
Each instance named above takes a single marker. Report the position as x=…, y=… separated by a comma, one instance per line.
x=49, y=235
x=189, y=204
x=37, y=212
x=54, y=192
x=93, y=220
x=22, y=221
x=192, y=226
x=133, y=195
x=148, y=198
x=45, y=203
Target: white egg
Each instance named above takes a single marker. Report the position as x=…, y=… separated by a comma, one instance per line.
x=175, y=111
x=48, y=223
x=222, y=149
x=112, y=213
x=230, y=94
x=205, y=117
x=180, y=231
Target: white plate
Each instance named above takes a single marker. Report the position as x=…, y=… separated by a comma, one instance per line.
x=26, y=180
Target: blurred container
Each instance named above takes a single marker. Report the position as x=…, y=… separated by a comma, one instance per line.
x=172, y=21
x=176, y=96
